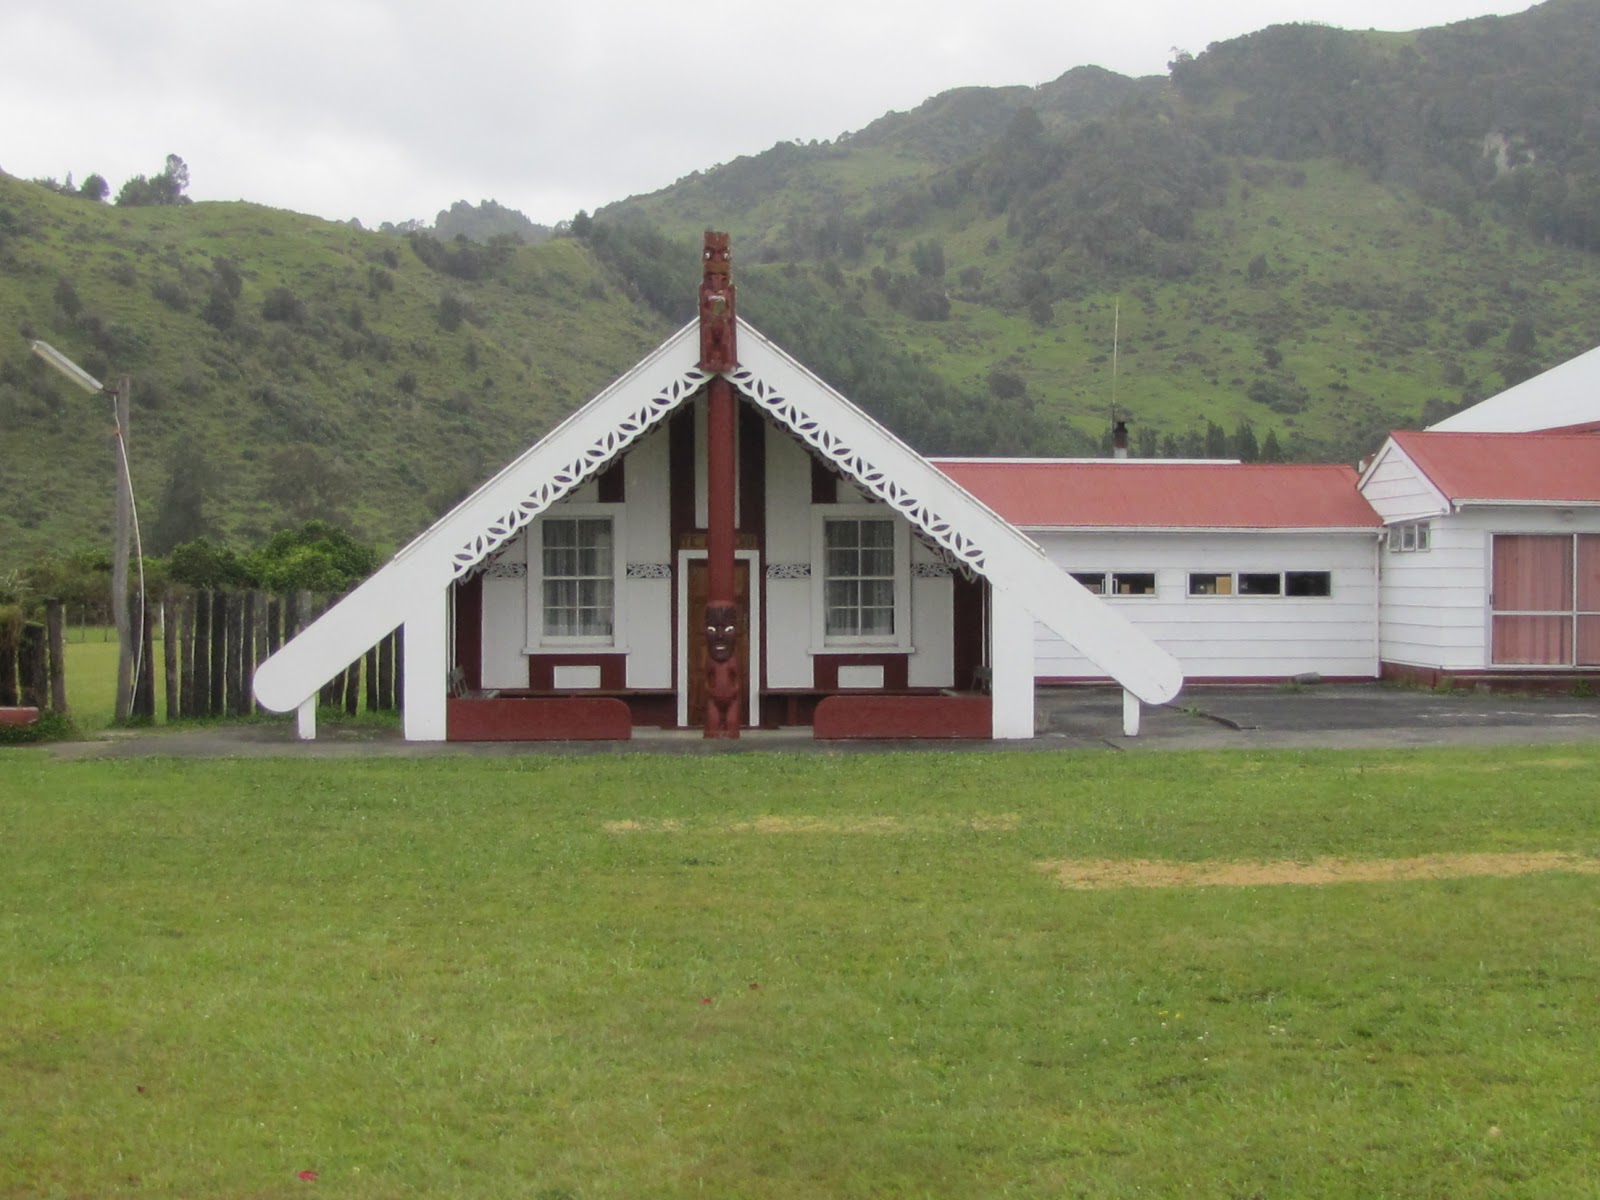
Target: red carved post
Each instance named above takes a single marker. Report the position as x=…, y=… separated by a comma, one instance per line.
x=718, y=353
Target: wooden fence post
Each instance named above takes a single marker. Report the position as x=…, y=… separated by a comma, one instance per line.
x=232, y=705
x=200, y=699
x=10, y=643
x=170, y=641
x=386, y=673
x=55, y=620
x=247, y=652
x=400, y=669
x=31, y=664
x=219, y=654
x=144, y=687
x=186, y=610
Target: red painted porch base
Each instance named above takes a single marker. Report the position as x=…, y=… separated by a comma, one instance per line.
x=19, y=716
x=879, y=716
x=538, y=719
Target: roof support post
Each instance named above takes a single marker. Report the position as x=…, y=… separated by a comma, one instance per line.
x=1010, y=665
x=1130, y=714
x=305, y=719
x=426, y=649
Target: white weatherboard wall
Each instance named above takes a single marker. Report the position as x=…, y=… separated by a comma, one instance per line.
x=647, y=598
x=1397, y=491
x=788, y=537
x=1435, y=602
x=1231, y=637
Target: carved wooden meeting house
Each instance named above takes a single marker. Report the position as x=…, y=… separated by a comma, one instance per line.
x=719, y=541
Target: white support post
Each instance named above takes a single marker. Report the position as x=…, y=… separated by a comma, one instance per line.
x=1010, y=665
x=1130, y=714
x=426, y=664
x=305, y=719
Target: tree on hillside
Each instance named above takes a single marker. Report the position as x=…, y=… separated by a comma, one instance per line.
x=167, y=187
x=181, y=511
x=95, y=188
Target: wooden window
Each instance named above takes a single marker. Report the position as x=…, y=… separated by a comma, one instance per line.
x=1308, y=583
x=1133, y=583
x=1410, y=536
x=578, y=575
x=859, y=578
x=1095, y=581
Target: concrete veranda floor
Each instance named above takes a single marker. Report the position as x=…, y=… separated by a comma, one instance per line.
x=1202, y=718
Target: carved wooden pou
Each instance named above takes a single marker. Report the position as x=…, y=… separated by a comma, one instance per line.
x=718, y=354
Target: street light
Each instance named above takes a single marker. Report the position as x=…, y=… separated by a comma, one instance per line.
x=127, y=518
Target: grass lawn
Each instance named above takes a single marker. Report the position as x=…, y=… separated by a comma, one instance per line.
x=773, y=976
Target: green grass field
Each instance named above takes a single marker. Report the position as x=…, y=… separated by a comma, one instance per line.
x=761, y=975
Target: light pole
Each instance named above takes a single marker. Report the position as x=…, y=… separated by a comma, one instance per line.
x=127, y=636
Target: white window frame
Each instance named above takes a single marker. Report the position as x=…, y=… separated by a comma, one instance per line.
x=1094, y=589
x=1411, y=537
x=540, y=642
x=1113, y=594
x=1233, y=592
x=823, y=642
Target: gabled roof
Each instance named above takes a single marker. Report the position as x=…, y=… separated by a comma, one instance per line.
x=1150, y=494
x=946, y=515
x=1563, y=398
x=1516, y=468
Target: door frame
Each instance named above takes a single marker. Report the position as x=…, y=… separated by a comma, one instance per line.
x=680, y=635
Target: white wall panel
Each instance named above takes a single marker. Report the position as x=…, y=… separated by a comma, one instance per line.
x=788, y=544
x=505, y=621
x=649, y=541
x=1231, y=636
x=932, y=625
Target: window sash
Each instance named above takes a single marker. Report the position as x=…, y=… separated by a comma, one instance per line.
x=859, y=577
x=578, y=578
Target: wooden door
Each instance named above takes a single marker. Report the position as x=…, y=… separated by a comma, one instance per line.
x=695, y=636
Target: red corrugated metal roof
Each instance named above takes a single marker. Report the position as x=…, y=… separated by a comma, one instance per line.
x=1128, y=493
x=1549, y=467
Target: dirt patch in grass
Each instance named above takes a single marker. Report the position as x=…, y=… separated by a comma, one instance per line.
x=1097, y=874
x=984, y=823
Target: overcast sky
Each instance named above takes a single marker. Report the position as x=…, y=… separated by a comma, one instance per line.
x=392, y=109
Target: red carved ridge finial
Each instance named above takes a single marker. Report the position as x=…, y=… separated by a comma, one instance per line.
x=718, y=351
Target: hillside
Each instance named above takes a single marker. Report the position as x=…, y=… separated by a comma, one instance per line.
x=292, y=367
x=1302, y=238
x=1319, y=233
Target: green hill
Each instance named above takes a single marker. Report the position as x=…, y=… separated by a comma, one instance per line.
x=1302, y=238
x=294, y=367
x=1319, y=233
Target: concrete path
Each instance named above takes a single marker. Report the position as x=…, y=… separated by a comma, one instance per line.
x=1203, y=718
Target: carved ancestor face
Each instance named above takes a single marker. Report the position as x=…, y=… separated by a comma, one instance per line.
x=722, y=631
x=718, y=259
